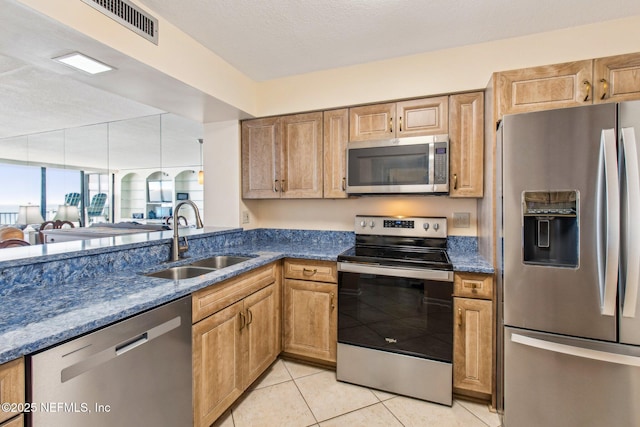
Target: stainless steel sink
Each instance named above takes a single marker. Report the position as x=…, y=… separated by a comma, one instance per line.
x=198, y=268
x=182, y=272
x=220, y=261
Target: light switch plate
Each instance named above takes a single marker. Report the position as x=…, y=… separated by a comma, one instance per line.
x=245, y=217
x=461, y=219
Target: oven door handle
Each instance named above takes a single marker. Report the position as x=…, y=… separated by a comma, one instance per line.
x=412, y=273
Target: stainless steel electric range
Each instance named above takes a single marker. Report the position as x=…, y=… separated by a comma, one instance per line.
x=395, y=308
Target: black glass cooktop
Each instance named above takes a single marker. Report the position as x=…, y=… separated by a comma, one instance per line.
x=434, y=258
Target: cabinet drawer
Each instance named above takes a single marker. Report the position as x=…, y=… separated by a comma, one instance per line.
x=318, y=271
x=11, y=386
x=473, y=285
x=216, y=297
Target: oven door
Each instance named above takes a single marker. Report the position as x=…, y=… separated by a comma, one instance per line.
x=398, y=310
x=407, y=165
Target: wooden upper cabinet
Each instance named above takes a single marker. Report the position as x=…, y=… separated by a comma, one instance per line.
x=302, y=150
x=544, y=88
x=422, y=117
x=336, y=137
x=371, y=122
x=616, y=78
x=282, y=157
x=466, y=145
x=427, y=116
x=261, y=157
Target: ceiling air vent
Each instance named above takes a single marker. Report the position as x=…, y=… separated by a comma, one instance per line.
x=129, y=15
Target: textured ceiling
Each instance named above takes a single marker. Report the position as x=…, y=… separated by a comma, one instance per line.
x=263, y=39
x=277, y=38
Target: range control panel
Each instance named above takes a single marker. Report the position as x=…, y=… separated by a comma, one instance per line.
x=435, y=227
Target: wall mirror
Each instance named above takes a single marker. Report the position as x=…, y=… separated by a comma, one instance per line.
x=128, y=161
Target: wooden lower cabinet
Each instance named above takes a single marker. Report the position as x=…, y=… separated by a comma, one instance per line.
x=12, y=389
x=234, y=345
x=217, y=364
x=310, y=312
x=14, y=422
x=260, y=333
x=473, y=343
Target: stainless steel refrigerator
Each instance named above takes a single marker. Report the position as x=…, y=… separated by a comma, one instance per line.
x=571, y=256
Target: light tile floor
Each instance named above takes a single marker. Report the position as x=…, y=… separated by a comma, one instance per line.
x=299, y=395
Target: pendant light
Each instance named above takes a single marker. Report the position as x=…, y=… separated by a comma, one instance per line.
x=201, y=172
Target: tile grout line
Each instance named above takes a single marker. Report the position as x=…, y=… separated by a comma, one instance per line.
x=305, y=402
x=391, y=412
x=472, y=413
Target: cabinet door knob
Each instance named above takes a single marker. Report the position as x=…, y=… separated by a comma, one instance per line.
x=459, y=317
x=344, y=184
x=275, y=186
x=400, y=124
x=455, y=181
x=309, y=272
x=391, y=124
x=250, y=321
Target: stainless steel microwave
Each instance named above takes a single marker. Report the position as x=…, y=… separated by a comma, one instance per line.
x=412, y=165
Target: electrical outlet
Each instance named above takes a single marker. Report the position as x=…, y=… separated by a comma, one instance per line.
x=245, y=217
x=461, y=219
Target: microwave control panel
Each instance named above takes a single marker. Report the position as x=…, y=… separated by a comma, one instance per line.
x=441, y=163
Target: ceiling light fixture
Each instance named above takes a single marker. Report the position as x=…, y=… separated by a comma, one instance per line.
x=201, y=172
x=84, y=63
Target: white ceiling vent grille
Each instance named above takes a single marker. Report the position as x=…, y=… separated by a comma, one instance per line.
x=129, y=15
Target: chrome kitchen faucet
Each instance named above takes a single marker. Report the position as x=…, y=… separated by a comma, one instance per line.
x=176, y=247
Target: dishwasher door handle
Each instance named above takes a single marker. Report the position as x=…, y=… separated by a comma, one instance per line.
x=112, y=352
x=131, y=344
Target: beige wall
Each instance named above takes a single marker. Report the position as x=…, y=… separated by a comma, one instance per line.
x=452, y=70
x=221, y=152
x=339, y=214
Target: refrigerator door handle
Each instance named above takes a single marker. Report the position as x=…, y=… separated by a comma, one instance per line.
x=632, y=176
x=608, y=229
x=585, y=353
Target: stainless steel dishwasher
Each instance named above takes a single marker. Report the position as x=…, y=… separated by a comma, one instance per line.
x=136, y=372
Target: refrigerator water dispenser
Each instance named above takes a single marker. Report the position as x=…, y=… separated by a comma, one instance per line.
x=550, y=221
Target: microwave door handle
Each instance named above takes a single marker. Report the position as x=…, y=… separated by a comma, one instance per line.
x=632, y=177
x=608, y=214
x=432, y=166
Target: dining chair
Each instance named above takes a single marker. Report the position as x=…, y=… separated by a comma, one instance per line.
x=10, y=243
x=10, y=233
x=57, y=224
